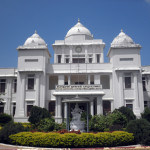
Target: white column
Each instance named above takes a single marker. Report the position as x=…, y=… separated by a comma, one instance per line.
x=60, y=79
x=141, y=96
x=20, y=105
x=71, y=47
x=99, y=105
x=69, y=82
x=122, y=103
x=92, y=107
x=89, y=79
x=86, y=55
x=96, y=79
x=7, y=108
x=62, y=58
x=58, y=116
x=111, y=82
x=112, y=105
x=55, y=58
x=65, y=110
x=37, y=101
x=136, y=107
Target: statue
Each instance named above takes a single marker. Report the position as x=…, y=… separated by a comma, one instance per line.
x=76, y=123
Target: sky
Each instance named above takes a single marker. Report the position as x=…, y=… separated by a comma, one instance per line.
x=53, y=18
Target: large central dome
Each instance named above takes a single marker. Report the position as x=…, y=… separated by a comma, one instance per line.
x=79, y=30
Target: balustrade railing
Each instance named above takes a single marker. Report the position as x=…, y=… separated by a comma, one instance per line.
x=78, y=87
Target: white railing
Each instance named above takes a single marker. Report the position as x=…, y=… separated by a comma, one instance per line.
x=78, y=87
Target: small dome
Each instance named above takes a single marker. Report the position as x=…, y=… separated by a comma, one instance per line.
x=35, y=40
x=123, y=40
x=78, y=29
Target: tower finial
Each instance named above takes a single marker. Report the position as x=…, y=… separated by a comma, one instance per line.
x=78, y=20
x=35, y=31
x=121, y=30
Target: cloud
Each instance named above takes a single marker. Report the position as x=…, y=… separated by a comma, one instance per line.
x=148, y=1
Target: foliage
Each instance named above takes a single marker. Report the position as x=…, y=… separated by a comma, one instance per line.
x=116, y=118
x=146, y=114
x=37, y=114
x=127, y=112
x=46, y=125
x=84, y=118
x=8, y=129
x=5, y=118
x=51, y=139
x=59, y=126
x=113, y=121
x=98, y=123
x=140, y=129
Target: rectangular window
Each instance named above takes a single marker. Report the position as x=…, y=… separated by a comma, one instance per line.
x=2, y=85
x=91, y=79
x=52, y=108
x=59, y=58
x=29, y=107
x=90, y=57
x=66, y=80
x=15, y=85
x=144, y=83
x=127, y=80
x=1, y=108
x=67, y=60
x=90, y=60
x=126, y=59
x=31, y=82
x=78, y=60
x=145, y=104
x=129, y=106
x=98, y=58
x=14, y=108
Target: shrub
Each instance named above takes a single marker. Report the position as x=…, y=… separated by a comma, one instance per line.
x=46, y=125
x=98, y=123
x=146, y=114
x=140, y=129
x=59, y=126
x=116, y=118
x=5, y=118
x=127, y=112
x=103, y=139
x=37, y=114
x=8, y=129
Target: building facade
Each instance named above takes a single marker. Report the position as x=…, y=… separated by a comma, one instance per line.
x=78, y=75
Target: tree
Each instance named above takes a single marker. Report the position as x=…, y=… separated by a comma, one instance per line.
x=140, y=129
x=146, y=114
x=37, y=114
x=127, y=112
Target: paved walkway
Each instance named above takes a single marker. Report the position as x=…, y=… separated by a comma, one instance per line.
x=12, y=147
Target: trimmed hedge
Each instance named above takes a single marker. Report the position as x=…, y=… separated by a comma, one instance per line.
x=51, y=139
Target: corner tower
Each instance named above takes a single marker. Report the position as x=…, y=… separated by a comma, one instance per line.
x=125, y=57
x=33, y=58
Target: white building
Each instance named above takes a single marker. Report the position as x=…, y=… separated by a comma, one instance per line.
x=78, y=74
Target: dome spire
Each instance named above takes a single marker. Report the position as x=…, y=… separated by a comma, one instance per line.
x=121, y=30
x=35, y=31
x=78, y=20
